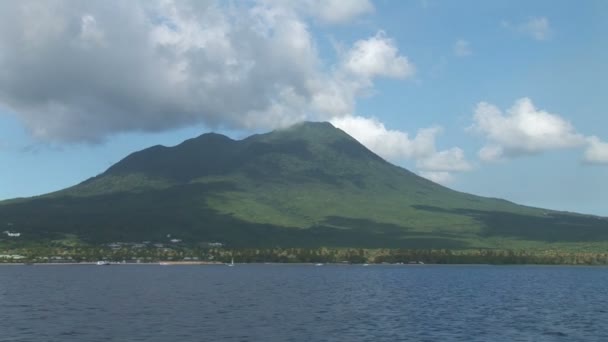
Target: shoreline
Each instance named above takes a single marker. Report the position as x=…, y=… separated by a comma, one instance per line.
x=203, y=263
x=94, y=263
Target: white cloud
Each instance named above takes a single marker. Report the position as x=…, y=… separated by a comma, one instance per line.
x=390, y=144
x=160, y=65
x=491, y=153
x=523, y=129
x=398, y=146
x=438, y=176
x=326, y=11
x=462, y=48
x=335, y=94
x=452, y=159
x=377, y=56
x=526, y=130
x=596, y=152
x=340, y=11
x=90, y=33
x=92, y=69
x=537, y=28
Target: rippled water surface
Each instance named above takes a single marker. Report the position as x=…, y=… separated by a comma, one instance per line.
x=303, y=303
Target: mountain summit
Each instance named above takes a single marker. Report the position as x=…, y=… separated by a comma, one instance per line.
x=308, y=185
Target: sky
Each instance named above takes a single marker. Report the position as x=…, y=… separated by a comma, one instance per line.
x=498, y=98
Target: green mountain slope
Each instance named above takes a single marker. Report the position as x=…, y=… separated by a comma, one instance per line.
x=308, y=185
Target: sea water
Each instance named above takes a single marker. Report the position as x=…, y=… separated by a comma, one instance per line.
x=281, y=302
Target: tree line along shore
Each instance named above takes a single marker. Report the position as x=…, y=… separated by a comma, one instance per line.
x=300, y=255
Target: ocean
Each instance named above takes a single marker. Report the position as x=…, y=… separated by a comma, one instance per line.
x=282, y=302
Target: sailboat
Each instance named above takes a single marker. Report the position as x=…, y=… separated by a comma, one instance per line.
x=231, y=263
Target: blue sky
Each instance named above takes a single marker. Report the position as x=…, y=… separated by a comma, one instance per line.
x=498, y=98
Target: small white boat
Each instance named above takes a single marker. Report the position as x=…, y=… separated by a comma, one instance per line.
x=319, y=264
x=164, y=263
x=365, y=264
x=103, y=263
x=231, y=263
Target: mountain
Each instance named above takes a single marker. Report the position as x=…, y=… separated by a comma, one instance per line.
x=308, y=185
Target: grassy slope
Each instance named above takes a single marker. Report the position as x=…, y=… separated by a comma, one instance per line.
x=309, y=185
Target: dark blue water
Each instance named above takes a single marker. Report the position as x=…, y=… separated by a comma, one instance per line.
x=303, y=303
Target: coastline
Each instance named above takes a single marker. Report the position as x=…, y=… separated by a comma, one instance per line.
x=94, y=263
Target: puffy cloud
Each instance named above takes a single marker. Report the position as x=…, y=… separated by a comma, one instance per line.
x=452, y=159
x=596, y=152
x=377, y=56
x=462, y=48
x=326, y=11
x=438, y=176
x=90, y=33
x=526, y=130
x=491, y=153
x=390, y=144
x=81, y=71
x=537, y=28
x=396, y=146
x=523, y=129
x=339, y=11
